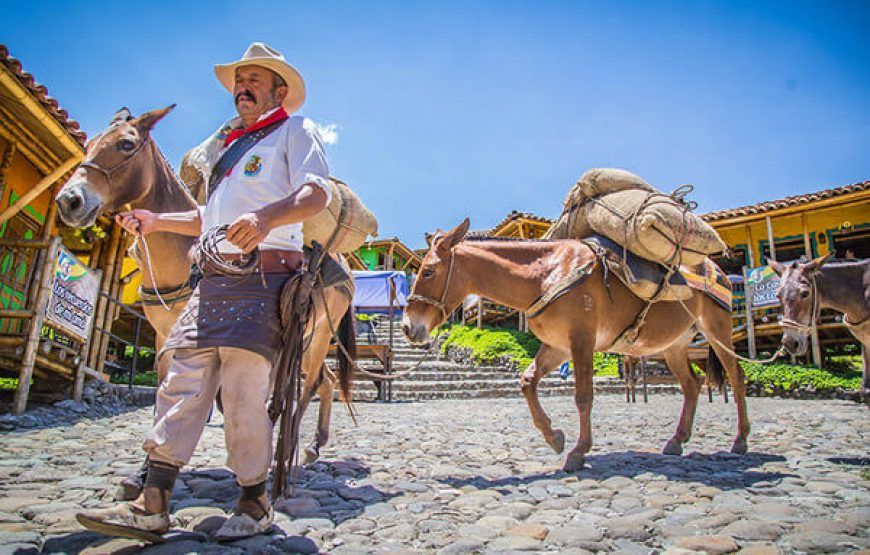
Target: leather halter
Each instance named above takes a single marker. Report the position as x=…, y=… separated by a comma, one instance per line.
x=439, y=304
x=805, y=327
x=107, y=172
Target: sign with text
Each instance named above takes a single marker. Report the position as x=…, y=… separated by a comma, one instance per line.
x=763, y=283
x=74, y=291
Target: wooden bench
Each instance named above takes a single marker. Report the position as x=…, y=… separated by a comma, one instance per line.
x=381, y=353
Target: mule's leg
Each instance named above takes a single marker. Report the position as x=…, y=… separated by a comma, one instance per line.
x=865, y=385
x=678, y=362
x=582, y=352
x=546, y=360
x=718, y=327
x=325, y=392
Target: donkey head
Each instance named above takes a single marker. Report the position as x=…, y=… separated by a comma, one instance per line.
x=799, y=297
x=432, y=297
x=117, y=169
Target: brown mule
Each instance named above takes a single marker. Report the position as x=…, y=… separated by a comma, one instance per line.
x=807, y=287
x=123, y=170
x=585, y=320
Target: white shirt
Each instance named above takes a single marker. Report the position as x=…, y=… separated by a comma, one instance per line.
x=275, y=168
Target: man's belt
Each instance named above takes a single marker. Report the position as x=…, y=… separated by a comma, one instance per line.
x=273, y=261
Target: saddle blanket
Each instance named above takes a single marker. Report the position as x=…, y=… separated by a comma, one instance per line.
x=709, y=278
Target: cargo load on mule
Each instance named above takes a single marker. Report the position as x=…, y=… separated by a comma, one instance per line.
x=626, y=209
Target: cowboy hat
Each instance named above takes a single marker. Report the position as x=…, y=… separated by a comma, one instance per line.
x=260, y=54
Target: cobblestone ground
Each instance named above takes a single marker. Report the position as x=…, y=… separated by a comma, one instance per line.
x=474, y=476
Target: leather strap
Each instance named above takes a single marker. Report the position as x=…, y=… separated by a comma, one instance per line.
x=273, y=261
x=233, y=154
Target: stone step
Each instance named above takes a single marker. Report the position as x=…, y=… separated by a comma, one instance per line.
x=504, y=385
x=366, y=391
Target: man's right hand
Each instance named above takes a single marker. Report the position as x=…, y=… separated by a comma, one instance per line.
x=138, y=222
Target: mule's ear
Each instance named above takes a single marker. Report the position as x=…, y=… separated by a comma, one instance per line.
x=777, y=267
x=457, y=234
x=816, y=264
x=148, y=120
x=123, y=114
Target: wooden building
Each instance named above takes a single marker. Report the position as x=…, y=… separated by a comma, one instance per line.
x=810, y=225
x=40, y=146
x=389, y=254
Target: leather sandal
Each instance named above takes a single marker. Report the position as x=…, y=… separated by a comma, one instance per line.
x=126, y=521
x=241, y=525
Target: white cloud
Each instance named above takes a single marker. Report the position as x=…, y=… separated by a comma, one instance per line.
x=328, y=133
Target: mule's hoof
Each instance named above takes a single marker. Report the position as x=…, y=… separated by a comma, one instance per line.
x=574, y=463
x=673, y=447
x=558, y=441
x=311, y=455
x=739, y=447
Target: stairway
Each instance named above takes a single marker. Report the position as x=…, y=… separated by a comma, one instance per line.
x=440, y=378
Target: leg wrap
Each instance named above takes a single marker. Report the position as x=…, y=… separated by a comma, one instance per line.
x=161, y=475
x=253, y=492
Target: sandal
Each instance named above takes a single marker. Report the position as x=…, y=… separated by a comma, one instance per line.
x=241, y=525
x=126, y=521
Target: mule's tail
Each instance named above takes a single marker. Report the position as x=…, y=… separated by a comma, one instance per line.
x=346, y=357
x=715, y=368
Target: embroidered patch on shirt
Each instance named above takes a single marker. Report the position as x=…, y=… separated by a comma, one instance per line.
x=224, y=132
x=253, y=165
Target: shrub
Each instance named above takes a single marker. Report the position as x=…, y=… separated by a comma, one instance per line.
x=142, y=378
x=490, y=344
x=788, y=377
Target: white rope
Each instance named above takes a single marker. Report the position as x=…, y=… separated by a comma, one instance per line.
x=151, y=271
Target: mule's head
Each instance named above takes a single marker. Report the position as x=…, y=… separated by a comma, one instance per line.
x=435, y=293
x=117, y=169
x=798, y=295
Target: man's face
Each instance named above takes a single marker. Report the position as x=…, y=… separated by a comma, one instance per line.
x=255, y=92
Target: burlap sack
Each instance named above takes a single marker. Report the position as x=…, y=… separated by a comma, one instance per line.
x=653, y=226
x=601, y=181
x=345, y=223
x=572, y=223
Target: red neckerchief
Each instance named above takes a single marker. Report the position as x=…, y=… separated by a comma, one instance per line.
x=278, y=115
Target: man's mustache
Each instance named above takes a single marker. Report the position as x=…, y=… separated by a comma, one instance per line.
x=245, y=95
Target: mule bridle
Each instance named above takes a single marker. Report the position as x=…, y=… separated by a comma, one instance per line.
x=439, y=303
x=107, y=172
x=805, y=327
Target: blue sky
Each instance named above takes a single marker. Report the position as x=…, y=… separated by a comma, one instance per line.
x=449, y=109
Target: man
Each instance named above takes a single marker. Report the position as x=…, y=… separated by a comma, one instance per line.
x=229, y=334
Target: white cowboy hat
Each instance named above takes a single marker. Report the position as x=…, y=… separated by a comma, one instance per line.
x=260, y=54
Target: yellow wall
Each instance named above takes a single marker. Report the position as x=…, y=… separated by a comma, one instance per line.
x=789, y=226
x=22, y=177
x=130, y=292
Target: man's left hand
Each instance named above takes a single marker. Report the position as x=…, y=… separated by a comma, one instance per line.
x=248, y=230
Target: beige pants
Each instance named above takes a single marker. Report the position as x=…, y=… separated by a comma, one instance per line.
x=185, y=398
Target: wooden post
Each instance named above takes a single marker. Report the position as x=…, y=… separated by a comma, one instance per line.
x=46, y=272
x=814, y=332
x=771, y=244
x=750, y=248
x=38, y=189
x=479, y=312
x=750, y=323
x=79, y=383
x=643, y=377
x=112, y=309
x=5, y=164
x=111, y=251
